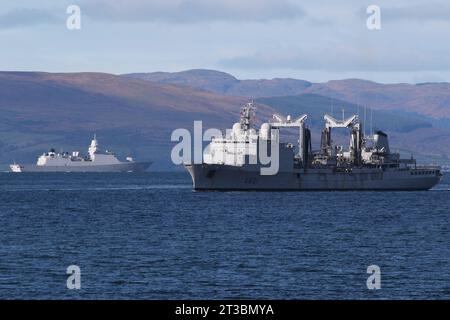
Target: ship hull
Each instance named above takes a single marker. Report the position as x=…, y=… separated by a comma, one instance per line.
x=223, y=177
x=88, y=167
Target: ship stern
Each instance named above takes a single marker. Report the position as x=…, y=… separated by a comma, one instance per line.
x=15, y=167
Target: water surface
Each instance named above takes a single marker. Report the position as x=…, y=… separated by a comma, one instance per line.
x=149, y=236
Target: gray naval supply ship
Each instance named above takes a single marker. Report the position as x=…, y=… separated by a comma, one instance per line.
x=367, y=164
x=97, y=160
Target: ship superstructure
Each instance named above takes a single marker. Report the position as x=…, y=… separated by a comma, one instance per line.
x=234, y=162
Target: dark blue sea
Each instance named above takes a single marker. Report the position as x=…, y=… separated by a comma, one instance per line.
x=149, y=236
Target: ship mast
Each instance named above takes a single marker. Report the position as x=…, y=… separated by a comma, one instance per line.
x=247, y=113
x=93, y=147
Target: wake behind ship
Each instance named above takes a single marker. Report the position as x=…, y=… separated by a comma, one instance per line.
x=96, y=161
x=367, y=164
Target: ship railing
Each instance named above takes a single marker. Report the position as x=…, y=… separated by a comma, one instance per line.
x=428, y=167
x=410, y=161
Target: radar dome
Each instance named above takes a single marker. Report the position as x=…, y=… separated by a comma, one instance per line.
x=237, y=128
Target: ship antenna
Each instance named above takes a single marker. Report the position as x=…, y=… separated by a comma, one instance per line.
x=365, y=116
x=357, y=105
x=246, y=115
x=332, y=106
x=371, y=121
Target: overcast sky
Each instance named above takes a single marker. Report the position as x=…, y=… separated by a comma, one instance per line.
x=316, y=40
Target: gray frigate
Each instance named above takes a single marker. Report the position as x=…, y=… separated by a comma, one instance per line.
x=96, y=160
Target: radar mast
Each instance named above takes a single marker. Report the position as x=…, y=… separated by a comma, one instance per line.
x=247, y=114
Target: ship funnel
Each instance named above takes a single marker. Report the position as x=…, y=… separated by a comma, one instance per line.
x=381, y=141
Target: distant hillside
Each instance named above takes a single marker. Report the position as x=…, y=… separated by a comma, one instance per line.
x=214, y=81
x=407, y=133
x=224, y=83
x=130, y=116
x=429, y=99
x=136, y=117
x=316, y=106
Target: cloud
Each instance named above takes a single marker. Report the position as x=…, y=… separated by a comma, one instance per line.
x=342, y=60
x=424, y=12
x=27, y=17
x=191, y=11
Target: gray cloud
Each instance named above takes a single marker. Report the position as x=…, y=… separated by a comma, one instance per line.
x=191, y=11
x=28, y=17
